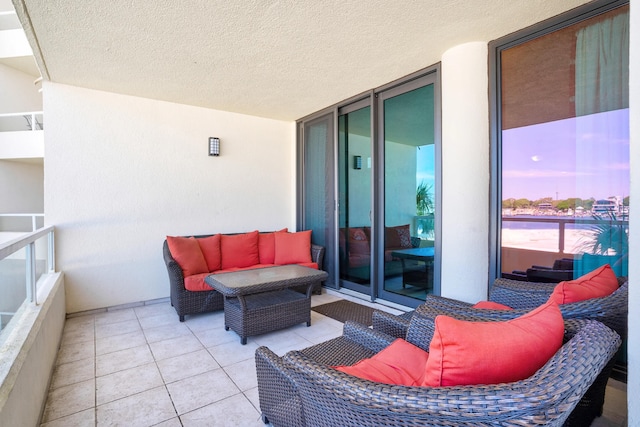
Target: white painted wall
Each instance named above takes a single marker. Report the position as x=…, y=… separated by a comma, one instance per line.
x=123, y=172
x=465, y=172
x=633, y=344
x=17, y=91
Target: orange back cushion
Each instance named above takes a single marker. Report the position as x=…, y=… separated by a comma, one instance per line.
x=468, y=353
x=599, y=283
x=293, y=248
x=239, y=250
x=186, y=251
x=210, y=247
x=267, y=246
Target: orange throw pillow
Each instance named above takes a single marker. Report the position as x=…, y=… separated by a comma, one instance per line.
x=210, y=247
x=490, y=305
x=400, y=363
x=239, y=250
x=293, y=248
x=186, y=251
x=469, y=353
x=267, y=246
x=599, y=283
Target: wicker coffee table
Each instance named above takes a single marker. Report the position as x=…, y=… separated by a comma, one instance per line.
x=261, y=300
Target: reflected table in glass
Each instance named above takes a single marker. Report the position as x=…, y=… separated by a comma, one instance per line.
x=262, y=300
x=417, y=266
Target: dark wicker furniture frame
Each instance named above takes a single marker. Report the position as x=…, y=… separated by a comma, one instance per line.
x=261, y=300
x=301, y=388
x=187, y=302
x=523, y=297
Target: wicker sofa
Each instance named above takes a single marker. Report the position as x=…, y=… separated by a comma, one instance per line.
x=187, y=302
x=302, y=389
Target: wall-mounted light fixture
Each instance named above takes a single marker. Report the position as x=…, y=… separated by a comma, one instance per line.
x=357, y=162
x=214, y=146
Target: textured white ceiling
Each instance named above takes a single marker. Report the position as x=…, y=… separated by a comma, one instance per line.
x=279, y=59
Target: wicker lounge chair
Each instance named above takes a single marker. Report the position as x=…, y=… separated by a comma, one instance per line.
x=302, y=389
x=331, y=398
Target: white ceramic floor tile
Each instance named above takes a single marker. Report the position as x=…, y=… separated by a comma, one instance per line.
x=78, y=332
x=158, y=320
x=232, y=412
x=124, y=359
x=120, y=342
x=166, y=332
x=126, y=383
x=115, y=316
x=279, y=339
x=105, y=330
x=68, y=400
x=233, y=352
x=173, y=422
x=199, y=322
x=195, y=392
x=73, y=372
x=254, y=398
x=86, y=418
x=155, y=310
x=77, y=351
x=243, y=374
x=175, y=346
x=186, y=365
x=143, y=409
x=215, y=335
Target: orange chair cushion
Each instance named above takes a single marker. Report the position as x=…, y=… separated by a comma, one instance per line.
x=597, y=284
x=186, y=251
x=490, y=305
x=469, y=353
x=239, y=250
x=210, y=247
x=267, y=246
x=293, y=248
x=400, y=363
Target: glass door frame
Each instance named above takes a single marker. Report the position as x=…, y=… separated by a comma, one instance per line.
x=382, y=94
x=419, y=78
x=340, y=111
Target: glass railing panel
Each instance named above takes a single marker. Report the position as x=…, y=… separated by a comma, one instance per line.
x=13, y=290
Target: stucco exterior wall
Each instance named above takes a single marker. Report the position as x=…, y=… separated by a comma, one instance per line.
x=121, y=173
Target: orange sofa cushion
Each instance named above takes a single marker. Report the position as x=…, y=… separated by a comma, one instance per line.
x=400, y=363
x=293, y=248
x=267, y=246
x=599, y=283
x=469, y=353
x=239, y=250
x=186, y=251
x=210, y=247
x=196, y=283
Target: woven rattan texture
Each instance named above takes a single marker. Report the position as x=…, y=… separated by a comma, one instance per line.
x=331, y=398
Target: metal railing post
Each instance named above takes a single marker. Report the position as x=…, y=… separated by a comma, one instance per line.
x=51, y=252
x=30, y=259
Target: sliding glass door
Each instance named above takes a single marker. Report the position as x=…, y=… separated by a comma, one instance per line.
x=382, y=188
x=354, y=196
x=409, y=237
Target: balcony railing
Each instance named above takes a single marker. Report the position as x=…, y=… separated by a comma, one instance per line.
x=585, y=224
x=22, y=261
x=25, y=121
